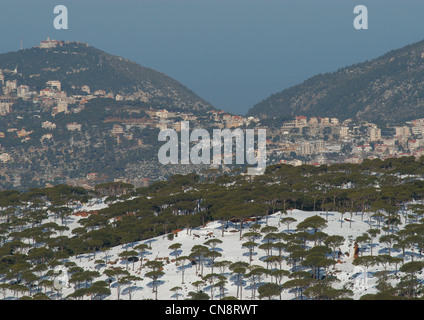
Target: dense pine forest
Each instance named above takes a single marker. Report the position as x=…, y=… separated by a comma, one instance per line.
x=37, y=235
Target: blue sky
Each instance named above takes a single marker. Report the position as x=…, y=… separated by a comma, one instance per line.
x=233, y=53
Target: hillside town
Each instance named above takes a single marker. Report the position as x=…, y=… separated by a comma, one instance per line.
x=303, y=140
x=325, y=140
x=47, y=136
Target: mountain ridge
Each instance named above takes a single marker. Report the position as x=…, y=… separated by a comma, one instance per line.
x=76, y=64
x=389, y=88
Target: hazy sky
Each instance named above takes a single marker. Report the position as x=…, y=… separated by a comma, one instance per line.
x=232, y=53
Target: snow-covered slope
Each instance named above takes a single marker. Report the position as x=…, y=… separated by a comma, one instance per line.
x=231, y=249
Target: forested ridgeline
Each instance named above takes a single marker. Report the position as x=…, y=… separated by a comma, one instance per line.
x=380, y=187
x=35, y=225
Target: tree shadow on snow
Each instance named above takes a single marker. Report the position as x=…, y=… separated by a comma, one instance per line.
x=247, y=254
x=158, y=283
x=134, y=289
x=176, y=253
x=186, y=266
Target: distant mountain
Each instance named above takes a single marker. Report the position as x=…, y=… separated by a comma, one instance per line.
x=387, y=89
x=109, y=138
x=76, y=64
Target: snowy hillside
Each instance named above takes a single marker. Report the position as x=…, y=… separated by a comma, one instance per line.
x=168, y=267
x=231, y=249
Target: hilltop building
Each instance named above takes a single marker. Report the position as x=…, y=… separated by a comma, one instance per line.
x=47, y=44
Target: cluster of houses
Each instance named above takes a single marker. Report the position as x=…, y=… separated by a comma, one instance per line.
x=311, y=141
x=303, y=140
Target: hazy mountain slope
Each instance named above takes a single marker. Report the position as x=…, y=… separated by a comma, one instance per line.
x=389, y=89
x=77, y=64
